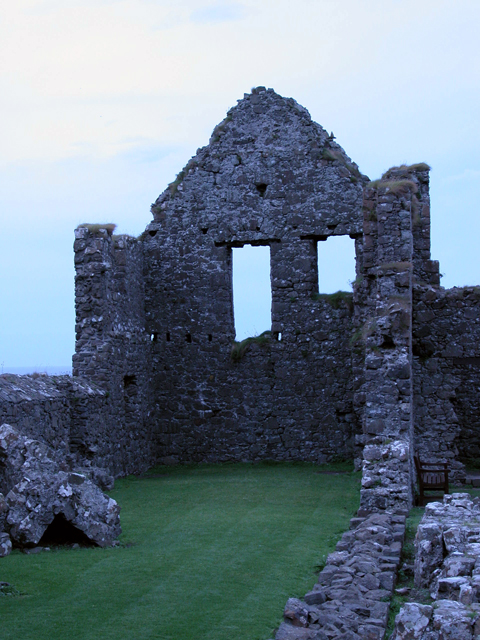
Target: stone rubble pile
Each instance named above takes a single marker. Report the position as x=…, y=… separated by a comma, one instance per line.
x=36, y=486
x=447, y=563
x=350, y=599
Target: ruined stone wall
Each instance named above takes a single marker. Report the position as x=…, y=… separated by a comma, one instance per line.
x=350, y=599
x=384, y=298
x=112, y=346
x=446, y=339
x=447, y=562
x=54, y=409
x=155, y=320
x=271, y=177
x=272, y=403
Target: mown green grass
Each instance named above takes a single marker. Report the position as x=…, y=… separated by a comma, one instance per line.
x=208, y=552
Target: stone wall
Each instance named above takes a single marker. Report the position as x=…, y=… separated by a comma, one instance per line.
x=271, y=177
x=112, y=347
x=350, y=599
x=71, y=415
x=335, y=376
x=447, y=566
x=446, y=339
x=155, y=324
x=392, y=369
x=385, y=313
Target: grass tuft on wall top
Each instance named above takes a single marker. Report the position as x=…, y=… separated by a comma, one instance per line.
x=109, y=227
x=240, y=348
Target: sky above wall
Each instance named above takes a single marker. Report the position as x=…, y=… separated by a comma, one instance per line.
x=102, y=102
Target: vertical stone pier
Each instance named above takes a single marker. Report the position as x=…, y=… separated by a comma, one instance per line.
x=389, y=209
x=112, y=346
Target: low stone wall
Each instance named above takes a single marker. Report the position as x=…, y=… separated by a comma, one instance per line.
x=350, y=599
x=40, y=406
x=447, y=563
x=76, y=419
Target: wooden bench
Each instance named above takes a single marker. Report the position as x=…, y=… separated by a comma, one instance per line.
x=432, y=476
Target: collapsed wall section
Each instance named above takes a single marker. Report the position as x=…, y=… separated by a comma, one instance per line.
x=111, y=343
x=270, y=176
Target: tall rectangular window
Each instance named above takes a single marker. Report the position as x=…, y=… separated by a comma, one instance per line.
x=336, y=264
x=252, y=293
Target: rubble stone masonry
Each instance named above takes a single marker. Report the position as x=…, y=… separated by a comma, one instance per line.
x=376, y=374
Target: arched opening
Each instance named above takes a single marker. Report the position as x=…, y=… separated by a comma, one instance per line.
x=62, y=532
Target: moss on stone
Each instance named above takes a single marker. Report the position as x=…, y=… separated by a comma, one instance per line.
x=333, y=155
x=109, y=227
x=337, y=299
x=240, y=348
x=394, y=186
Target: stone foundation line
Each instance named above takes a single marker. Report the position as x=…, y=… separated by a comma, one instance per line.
x=350, y=601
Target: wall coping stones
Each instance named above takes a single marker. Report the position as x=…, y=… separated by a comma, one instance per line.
x=33, y=387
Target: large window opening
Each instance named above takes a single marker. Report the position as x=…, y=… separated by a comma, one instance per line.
x=336, y=264
x=252, y=294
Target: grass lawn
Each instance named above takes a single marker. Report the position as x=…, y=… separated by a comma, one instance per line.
x=207, y=553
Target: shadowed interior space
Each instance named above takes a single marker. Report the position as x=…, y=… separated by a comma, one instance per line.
x=62, y=532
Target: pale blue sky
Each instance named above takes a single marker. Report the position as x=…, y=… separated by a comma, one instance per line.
x=104, y=101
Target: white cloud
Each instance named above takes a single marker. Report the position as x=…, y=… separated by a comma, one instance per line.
x=94, y=73
x=218, y=13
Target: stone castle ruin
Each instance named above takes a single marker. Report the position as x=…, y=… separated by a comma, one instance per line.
x=377, y=374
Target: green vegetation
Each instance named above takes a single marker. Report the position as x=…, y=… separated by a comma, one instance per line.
x=333, y=155
x=210, y=552
x=240, y=348
x=405, y=170
x=398, y=180
x=220, y=128
x=173, y=186
x=394, y=186
x=405, y=580
x=337, y=299
x=360, y=336
x=109, y=227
